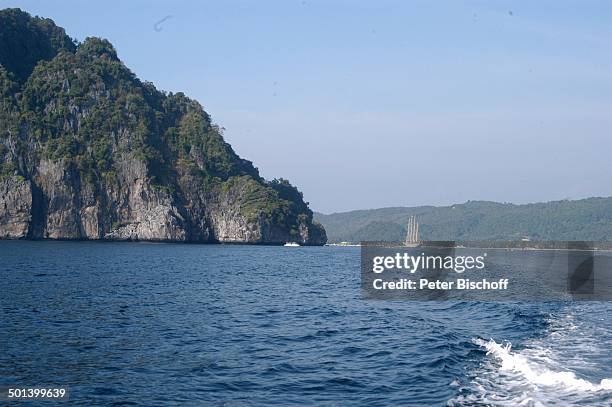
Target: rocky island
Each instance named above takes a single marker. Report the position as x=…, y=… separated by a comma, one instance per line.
x=89, y=151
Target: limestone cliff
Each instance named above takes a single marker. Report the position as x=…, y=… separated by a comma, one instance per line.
x=15, y=207
x=88, y=151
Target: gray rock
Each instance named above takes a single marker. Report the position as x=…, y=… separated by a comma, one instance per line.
x=15, y=207
x=67, y=207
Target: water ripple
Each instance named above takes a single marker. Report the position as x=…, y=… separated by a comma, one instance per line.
x=153, y=324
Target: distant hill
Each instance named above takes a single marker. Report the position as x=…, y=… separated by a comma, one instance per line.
x=586, y=219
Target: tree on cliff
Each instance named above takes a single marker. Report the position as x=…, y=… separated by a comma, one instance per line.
x=76, y=110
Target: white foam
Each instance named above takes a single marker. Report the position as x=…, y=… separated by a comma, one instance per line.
x=536, y=373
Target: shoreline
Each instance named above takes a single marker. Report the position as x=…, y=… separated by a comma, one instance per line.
x=597, y=246
x=279, y=244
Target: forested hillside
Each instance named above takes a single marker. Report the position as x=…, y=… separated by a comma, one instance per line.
x=90, y=151
x=586, y=219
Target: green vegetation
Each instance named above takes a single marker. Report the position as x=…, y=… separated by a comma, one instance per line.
x=380, y=231
x=587, y=219
x=276, y=202
x=79, y=105
x=25, y=40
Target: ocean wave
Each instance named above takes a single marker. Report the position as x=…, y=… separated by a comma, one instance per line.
x=566, y=363
x=535, y=372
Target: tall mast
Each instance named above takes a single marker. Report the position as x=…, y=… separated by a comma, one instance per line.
x=409, y=232
x=408, y=227
x=412, y=232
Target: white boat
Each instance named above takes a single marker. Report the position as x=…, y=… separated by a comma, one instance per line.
x=292, y=244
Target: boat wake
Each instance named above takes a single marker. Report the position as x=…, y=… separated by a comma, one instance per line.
x=536, y=373
x=564, y=367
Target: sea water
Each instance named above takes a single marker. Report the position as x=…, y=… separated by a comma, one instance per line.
x=156, y=324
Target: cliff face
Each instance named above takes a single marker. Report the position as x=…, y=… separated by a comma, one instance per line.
x=88, y=151
x=15, y=207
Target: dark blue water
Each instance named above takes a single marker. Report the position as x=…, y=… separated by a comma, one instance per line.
x=158, y=324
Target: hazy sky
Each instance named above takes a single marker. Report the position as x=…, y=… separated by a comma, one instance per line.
x=385, y=103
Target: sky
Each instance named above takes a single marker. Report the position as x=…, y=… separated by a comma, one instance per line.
x=367, y=104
